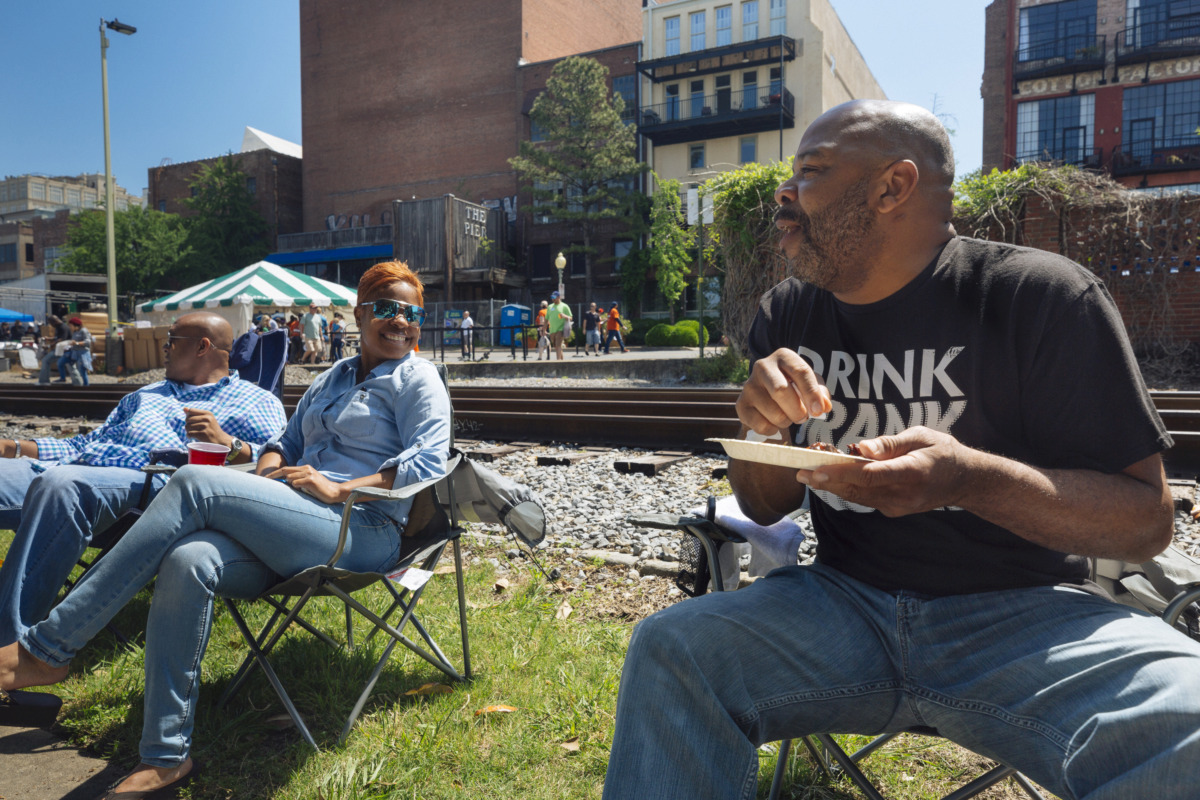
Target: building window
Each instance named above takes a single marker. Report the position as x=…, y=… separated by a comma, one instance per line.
x=626, y=87
x=8, y=253
x=162, y=206
x=671, y=31
x=750, y=90
x=696, y=156
x=73, y=198
x=621, y=249
x=776, y=83
x=28, y=252
x=748, y=149
x=724, y=26
x=577, y=263
x=252, y=186
x=55, y=193
x=749, y=20
x=195, y=191
x=696, y=22
x=1149, y=22
x=672, y=104
x=724, y=94
x=1057, y=30
x=1163, y=117
x=778, y=17
x=697, y=98
x=1056, y=130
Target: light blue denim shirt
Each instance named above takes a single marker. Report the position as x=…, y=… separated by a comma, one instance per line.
x=398, y=417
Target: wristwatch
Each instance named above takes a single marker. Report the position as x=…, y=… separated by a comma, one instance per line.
x=235, y=450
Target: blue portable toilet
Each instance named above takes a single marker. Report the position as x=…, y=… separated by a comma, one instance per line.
x=513, y=320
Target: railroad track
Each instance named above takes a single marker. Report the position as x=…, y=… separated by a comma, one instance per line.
x=676, y=419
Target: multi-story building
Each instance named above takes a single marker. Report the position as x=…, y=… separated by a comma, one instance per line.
x=34, y=213
x=272, y=167
x=401, y=102
x=26, y=196
x=731, y=82
x=1105, y=84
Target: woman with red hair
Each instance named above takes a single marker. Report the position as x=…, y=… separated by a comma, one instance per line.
x=381, y=418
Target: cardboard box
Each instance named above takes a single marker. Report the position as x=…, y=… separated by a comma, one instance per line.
x=143, y=355
x=130, y=356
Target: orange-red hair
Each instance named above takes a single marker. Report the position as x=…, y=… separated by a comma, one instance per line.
x=383, y=275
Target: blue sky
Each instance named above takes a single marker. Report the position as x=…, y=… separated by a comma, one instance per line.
x=195, y=74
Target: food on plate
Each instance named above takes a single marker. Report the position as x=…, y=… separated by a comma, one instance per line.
x=782, y=455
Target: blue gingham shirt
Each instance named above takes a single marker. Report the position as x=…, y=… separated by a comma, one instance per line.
x=399, y=416
x=153, y=417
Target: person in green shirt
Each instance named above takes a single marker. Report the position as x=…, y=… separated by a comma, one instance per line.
x=559, y=316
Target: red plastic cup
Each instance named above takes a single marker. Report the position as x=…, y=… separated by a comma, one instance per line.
x=207, y=453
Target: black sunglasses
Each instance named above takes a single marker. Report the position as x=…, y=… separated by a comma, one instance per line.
x=388, y=309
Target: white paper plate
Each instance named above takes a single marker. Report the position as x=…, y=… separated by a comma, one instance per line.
x=782, y=455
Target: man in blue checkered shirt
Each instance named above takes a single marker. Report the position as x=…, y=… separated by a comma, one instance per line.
x=55, y=493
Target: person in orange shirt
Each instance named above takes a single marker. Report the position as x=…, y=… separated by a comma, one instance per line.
x=614, y=329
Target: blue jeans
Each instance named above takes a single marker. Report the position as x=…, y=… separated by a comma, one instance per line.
x=212, y=531
x=613, y=335
x=1089, y=698
x=54, y=515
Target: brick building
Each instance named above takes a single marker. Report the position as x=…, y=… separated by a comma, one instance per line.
x=1105, y=84
x=400, y=103
x=273, y=177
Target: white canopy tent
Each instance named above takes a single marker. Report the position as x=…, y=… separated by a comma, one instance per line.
x=242, y=295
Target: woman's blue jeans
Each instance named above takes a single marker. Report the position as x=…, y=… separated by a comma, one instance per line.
x=1089, y=698
x=212, y=531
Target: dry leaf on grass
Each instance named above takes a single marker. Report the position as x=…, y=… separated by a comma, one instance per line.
x=443, y=569
x=430, y=688
x=494, y=710
x=564, y=611
x=571, y=744
x=500, y=585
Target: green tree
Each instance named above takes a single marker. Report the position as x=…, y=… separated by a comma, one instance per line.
x=743, y=224
x=149, y=246
x=671, y=243
x=582, y=171
x=228, y=232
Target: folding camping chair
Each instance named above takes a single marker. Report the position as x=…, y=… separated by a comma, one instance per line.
x=433, y=522
x=700, y=566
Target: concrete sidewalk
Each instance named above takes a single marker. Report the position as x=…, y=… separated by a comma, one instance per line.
x=37, y=765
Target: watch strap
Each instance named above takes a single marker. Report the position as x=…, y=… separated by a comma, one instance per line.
x=235, y=449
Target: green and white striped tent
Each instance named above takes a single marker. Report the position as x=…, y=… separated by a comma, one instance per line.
x=242, y=295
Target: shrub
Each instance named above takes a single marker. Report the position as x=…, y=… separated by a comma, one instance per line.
x=679, y=336
x=694, y=325
x=727, y=367
x=658, y=335
x=638, y=330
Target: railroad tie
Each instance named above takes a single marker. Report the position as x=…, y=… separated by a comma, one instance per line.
x=652, y=464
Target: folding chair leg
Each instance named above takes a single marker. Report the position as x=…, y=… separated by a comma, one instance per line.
x=1028, y=786
x=269, y=671
x=849, y=767
x=989, y=778
x=366, y=692
x=785, y=748
x=462, y=608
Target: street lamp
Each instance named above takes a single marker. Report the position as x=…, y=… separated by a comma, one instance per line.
x=128, y=30
x=560, y=262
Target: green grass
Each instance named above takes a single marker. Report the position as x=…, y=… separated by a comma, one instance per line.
x=560, y=676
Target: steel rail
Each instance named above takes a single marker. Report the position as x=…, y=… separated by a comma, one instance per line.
x=655, y=418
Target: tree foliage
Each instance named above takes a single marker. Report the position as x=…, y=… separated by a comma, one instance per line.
x=670, y=243
x=581, y=172
x=228, y=232
x=747, y=241
x=149, y=246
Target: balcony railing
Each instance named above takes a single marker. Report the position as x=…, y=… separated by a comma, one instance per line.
x=1088, y=158
x=1167, y=156
x=329, y=240
x=1150, y=40
x=1066, y=54
x=770, y=50
x=711, y=116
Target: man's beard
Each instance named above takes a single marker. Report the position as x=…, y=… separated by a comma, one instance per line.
x=833, y=241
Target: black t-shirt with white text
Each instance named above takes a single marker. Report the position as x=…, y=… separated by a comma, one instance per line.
x=1014, y=351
